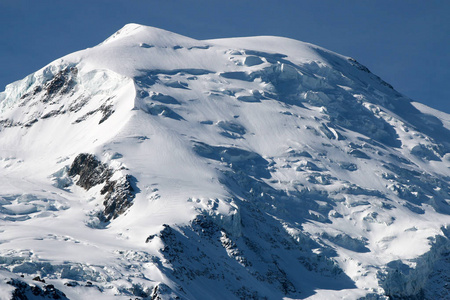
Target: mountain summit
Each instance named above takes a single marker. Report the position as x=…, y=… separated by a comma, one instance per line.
x=156, y=166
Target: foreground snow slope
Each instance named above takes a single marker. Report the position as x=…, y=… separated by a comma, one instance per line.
x=155, y=165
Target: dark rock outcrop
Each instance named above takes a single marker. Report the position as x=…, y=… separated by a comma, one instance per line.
x=24, y=291
x=119, y=194
x=90, y=170
x=62, y=82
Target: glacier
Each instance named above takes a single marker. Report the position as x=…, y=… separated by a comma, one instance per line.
x=156, y=166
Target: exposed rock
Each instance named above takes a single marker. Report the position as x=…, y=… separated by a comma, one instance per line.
x=53, y=113
x=24, y=291
x=119, y=194
x=37, y=278
x=90, y=170
x=62, y=82
x=163, y=292
x=106, y=110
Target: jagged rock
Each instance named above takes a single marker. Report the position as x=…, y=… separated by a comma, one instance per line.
x=24, y=291
x=90, y=170
x=118, y=194
x=37, y=278
x=163, y=292
x=106, y=109
x=62, y=82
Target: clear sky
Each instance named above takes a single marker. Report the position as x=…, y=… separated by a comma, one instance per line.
x=407, y=43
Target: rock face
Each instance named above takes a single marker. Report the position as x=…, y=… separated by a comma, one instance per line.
x=155, y=166
x=62, y=83
x=91, y=171
x=23, y=291
x=118, y=194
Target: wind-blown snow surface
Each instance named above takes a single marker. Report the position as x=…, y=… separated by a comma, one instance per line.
x=158, y=166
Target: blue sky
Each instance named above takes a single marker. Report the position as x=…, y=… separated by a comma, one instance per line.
x=407, y=43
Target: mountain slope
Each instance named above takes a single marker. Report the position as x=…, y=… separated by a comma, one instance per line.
x=158, y=166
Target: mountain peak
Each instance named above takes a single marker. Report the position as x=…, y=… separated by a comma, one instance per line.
x=127, y=30
x=159, y=166
x=136, y=33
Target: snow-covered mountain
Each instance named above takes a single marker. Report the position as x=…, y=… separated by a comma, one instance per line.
x=156, y=166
